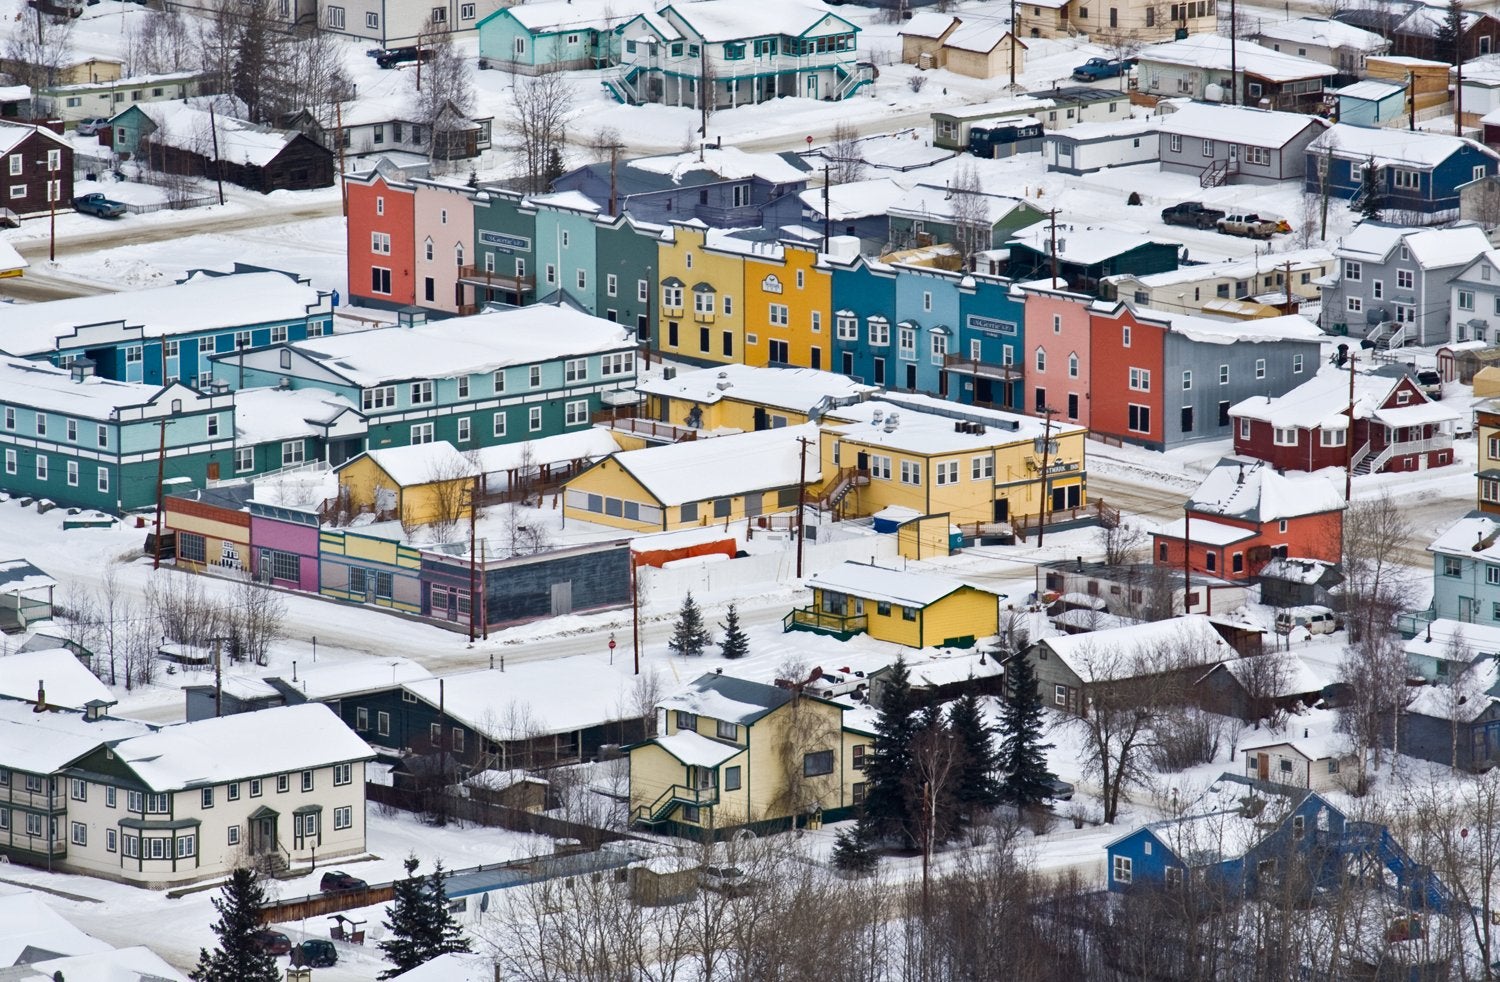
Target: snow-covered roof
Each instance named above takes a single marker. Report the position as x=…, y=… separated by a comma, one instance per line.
x=526, y=698
x=192, y=129
x=1465, y=698
x=1206, y=532
x=1473, y=536
x=1237, y=269
x=1084, y=244
x=735, y=20
x=995, y=109
x=1105, y=130
x=245, y=745
x=923, y=426
x=1327, y=33
x=461, y=346
x=1140, y=649
x=13, y=133
x=15, y=93
x=1294, y=569
x=1227, y=821
x=926, y=24
x=1436, y=248
x=1445, y=637
x=1257, y=127
x=134, y=964
x=452, y=967
x=202, y=303
x=41, y=743
x=1223, y=330
x=44, y=387
x=420, y=463
x=334, y=680
x=33, y=927
x=1212, y=51
x=570, y=200
x=10, y=259
x=552, y=16
x=1321, y=401
x=727, y=698
x=1370, y=90
x=980, y=37
x=1428, y=21
x=728, y=163
x=563, y=448
x=797, y=389
x=1253, y=491
x=953, y=669
x=121, y=83
x=1279, y=673
x=928, y=201
x=905, y=587
x=20, y=575
x=696, y=750
x=65, y=680
x=724, y=466
x=857, y=199
x=1392, y=146
x=264, y=415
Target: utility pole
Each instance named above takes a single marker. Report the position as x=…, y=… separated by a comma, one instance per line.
x=1349, y=433
x=473, y=554
x=1234, y=71
x=801, y=496
x=484, y=620
x=1013, y=28
x=54, y=190
x=1047, y=414
x=1411, y=102
x=1187, y=554
x=1458, y=66
x=213, y=131
x=614, y=159
x=338, y=119
x=161, y=468
x=218, y=681
x=705, y=90
x=827, y=220
x=1288, y=275
x=1052, y=216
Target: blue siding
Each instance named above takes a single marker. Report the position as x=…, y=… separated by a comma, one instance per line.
x=1437, y=189
x=994, y=320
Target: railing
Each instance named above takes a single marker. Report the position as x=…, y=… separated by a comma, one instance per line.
x=852, y=80
x=648, y=429
x=1400, y=449
x=677, y=794
x=177, y=204
x=813, y=619
x=972, y=366
x=846, y=480
x=1216, y=173
x=1359, y=456
x=491, y=280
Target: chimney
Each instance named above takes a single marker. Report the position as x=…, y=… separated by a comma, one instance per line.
x=1241, y=478
x=1080, y=564
x=41, y=696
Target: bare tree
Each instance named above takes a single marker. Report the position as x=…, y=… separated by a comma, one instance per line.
x=846, y=161
x=444, y=96
x=158, y=42
x=1374, y=674
x=1121, y=542
x=256, y=619
x=37, y=46
x=538, y=124
x=972, y=231
x=1377, y=584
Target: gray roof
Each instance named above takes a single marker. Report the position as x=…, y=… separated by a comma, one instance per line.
x=728, y=698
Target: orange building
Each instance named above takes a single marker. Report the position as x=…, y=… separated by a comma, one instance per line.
x=382, y=241
x=1244, y=514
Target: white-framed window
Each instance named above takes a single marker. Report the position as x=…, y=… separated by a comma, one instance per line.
x=911, y=472
x=1284, y=436
x=103, y=480
x=244, y=459
x=1174, y=142
x=1405, y=279
x=421, y=433
x=342, y=774
x=41, y=467
x=939, y=348
x=1223, y=374
x=982, y=468
x=576, y=370
x=1041, y=359
x=534, y=376
x=1260, y=368
x=465, y=429
x=1465, y=299
x=576, y=412
x=1140, y=379
x=72, y=473
x=1297, y=364
x=1187, y=381
x=880, y=467
x=1257, y=156
x=336, y=18
x=10, y=461
x=880, y=332
x=1245, y=427
x=1122, y=869
x=534, y=418
x=499, y=424
x=343, y=816
x=779, y=315
x=421, y=393
x=1353, y=271
x=1354, y=304
x=293, y=452
x=846, y=328
x=906, y=342
x=611, y=284
x=1331, y=438
x=80, y=834
x=1405, y=180
x=380, y=243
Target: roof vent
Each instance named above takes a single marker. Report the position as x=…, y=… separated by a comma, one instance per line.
x=876, y=416
x=892, y=421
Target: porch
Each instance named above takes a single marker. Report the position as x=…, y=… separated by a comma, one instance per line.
x=839, y=625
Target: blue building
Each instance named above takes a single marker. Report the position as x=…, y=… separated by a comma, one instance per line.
x=1418, y=174
x=1245, y=836
x=168, y=334
x=864, y=305
x=985, y=364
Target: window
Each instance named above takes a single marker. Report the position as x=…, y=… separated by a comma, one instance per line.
x=421, y=393
x=576, y=412
x=234, y=835
x=380, y=280
x=947, y=472
x=380, y=242
x=207, y=797
x=880, y=332
x=911, y=472
x=1139, y=419
x=1072, y=366
x=1465, y=299
x=880, y=466
x=372, y=21
x=293, y=452
x=575, y=370
x=421, y=433
x=499, y=424
x=307, y=780
x=1296, y=364
x=982, y=468
x=1259, y=156
x=80, y=836
x=72, y=473
x=535, y=376
x=686, y=721
x=1331, y=438
x=1041, y=359
x=1122, y=869
x=382, y=723
x=1223, y=374
x=10, y=461
x=78, y=789
x=158, y=804
x=779, y=315
x=814, y=764
x=41, y=467
x=1405, y=180
x=343, y=816
x=1405, y=279
x=1174, y=142
x=1140, y=380
x=255, y=787
x=535, y=418
x=1260, y=368
x=187, y=845
x=727, y=730
x=1285, y=436
x=336, y=18
x=379, y=397
x=732, y=778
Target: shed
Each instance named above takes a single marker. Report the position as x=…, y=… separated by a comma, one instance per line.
x=1487, y=382
x=1311, y=757
x=1467, y=362
x=25, y=595
x=1370, y=102
x=1296, y=582
x=663, y=880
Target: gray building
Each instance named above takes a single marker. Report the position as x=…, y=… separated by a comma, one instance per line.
x=1391, y=285
x=723, y=188
x=1474, y=297
x=1228, y=144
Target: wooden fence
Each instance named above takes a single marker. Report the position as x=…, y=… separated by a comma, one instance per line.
x=477, y=811
x=180, y=204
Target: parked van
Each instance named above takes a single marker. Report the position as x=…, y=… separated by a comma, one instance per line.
x=1317, y=620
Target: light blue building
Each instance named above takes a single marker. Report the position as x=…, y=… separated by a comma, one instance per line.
x=985, y=367
x=1466, y=571
x=1370, y=102
x=925, y=328
x=168, y=334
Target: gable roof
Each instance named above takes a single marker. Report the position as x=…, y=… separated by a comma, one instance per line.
x=979, y=37
x=697, y=470
x=1212, y=51
x=64, y=679
x=870, y=582
x=553, y=696
x=1252, y=491
x=1140, y=649
x=42, y=743
x=928, y=24
x=1323, y=402
x=1229, y=820
x=734, y=20
x=1323, y=32
x=419, y=463
x=1474, y=537
x=13, y=134
x=1257, y=127
x=188, y=128
x=728, y=698
x=1421, y=149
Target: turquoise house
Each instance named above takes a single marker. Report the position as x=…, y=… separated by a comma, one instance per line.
x=566, y=253
x=1371, y=102
x=83, y=441
x=504, y=248
x=556, y=35
x=492, y=378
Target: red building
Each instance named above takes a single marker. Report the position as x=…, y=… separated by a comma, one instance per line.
x=1129, y=380
x=1244, y=514
x=1396, y=426
x=382, y=240
x=31, y=158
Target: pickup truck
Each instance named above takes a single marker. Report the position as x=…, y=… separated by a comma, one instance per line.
x=98, y=205
x=391, y=57
x=1191, y=213
x=1100, y=68
x=1248, y=224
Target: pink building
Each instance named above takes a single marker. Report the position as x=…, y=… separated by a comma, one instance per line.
x=444, y=230
x=1057, y=352
x=284, y=546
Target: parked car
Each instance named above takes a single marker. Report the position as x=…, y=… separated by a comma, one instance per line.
x=1248, y=224
x=1058, y=789
x=98, y=205
x=92, y=126
x=1316, y=619
x=391, y=57
x=1100, y=68
x=315, y=954
x=1463, y=428
x=1431, y=383
x=729, y=880
x=271, y=942
x=337, y=881
x=1192, y=214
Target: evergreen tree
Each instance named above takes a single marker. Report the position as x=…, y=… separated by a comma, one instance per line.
x=977, y=786
x=236, y=959
x=852, y=852
x=420, y=925
x=1372, y=195
x=736, y=644
x=1447, y=41
x=689, y=636
x=890, y=764
x=1022, y=762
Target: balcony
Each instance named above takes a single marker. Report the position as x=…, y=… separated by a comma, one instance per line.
x=983, y=369
x=841, y=626
x=650, y=430
x=35, y=800
x=489, y=280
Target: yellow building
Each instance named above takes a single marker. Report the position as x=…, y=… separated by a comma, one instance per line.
x=739, y=397
x=788, y=299
x=734, y=753
x=370, y=566
x=919, y=610
x=421, y=484
x=211, y=526
x=1487, y=420
x=937, y=457
x=700, y=316
x=696, y=482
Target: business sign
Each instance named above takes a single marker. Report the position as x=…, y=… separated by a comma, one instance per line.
x=990, y=325
x=519, y=243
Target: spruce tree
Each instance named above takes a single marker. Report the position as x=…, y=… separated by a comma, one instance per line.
x=736, y=644
x=420, y=925
x=1023, y=763
x=977, y=785
x=1372, y=195
x=236, y=959
x=689, y=636
x=890, y=764
x=852, y=852
x=1448, y=39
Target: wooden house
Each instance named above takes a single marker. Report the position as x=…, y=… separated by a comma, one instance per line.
x=922, y=38
x=1313, y=760
x=211, y=527
x=918, y=610
x=39, y=170
x=176, y=138
x=419, y=484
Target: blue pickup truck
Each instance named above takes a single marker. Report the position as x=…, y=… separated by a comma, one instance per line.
x=1101, y=68
x=98, y=205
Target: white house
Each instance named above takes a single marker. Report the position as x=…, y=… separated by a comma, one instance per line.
x=193, y=801
x=1334, y=43
x=1475, y=298
x=1089, y=147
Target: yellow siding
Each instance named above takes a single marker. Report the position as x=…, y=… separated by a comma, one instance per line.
x=608, y=479
x=965, y=613
x=852, y=777
x=892, y=625
x=686, y=258
x=776, y=282
x=734, y=414
x=418, y=504
x=924, y=538
x=375, y=550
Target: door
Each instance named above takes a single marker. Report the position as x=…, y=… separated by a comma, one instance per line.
x=562, y=598
x=879, y=372
x=911, y=377
x=1072, y=405
x=263, y=834
x=812, y=86
x=984, y=391
x=1468, y=609
x=1002, y=509
x=213, y=470
x=1263, y=766
x=846, y=360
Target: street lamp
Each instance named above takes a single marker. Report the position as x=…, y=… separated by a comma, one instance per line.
x=52, y=163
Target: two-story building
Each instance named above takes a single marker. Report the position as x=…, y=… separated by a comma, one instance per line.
x=741, y=397
x=1466, y=570
x=1474, y=298
x=1203, y=67
x=1487, y=424
x=732, y=753
x=472, y=381
x=38, y=168
x=1083, y=255
x=1391, y=285
x=1334, y=43
x=1417, y=179
x=553, y=36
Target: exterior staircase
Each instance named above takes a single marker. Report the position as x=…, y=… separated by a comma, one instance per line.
x=677, y=794
x=1388, y=335
x=851, y=80
x=838, y=488
x=1419, y=886
x=1217, y=173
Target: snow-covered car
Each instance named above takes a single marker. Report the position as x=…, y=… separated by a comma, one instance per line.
x=1058, y=789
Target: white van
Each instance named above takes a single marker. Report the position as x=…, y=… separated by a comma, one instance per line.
x=1317, y=620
